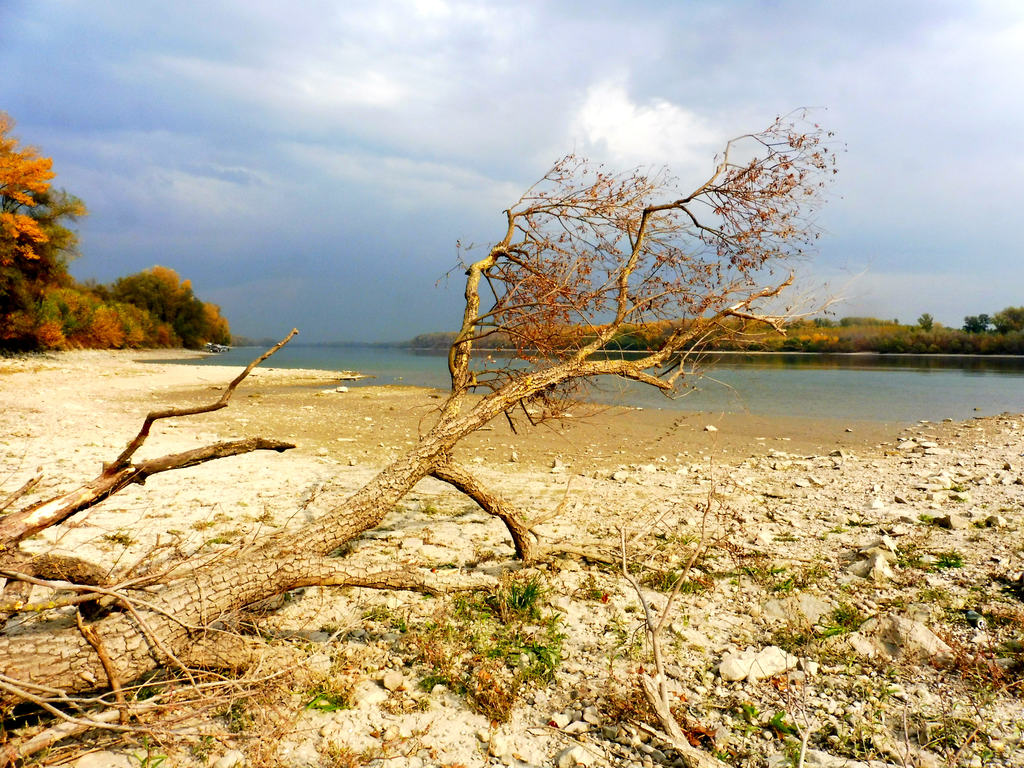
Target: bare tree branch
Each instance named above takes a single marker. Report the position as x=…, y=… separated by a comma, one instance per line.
x=17, y=494
x=19, y=525
x=522, y=537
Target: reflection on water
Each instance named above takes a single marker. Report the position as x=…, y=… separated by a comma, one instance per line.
x=873, y=387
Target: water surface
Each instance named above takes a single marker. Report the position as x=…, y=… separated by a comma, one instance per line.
x=901, y=388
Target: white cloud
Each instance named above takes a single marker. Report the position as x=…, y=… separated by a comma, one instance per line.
x=309, y=87
x=408, y=183
x=657, y=132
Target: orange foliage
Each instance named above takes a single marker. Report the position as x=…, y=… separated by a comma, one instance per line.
x=105, y=329
x=49, y=334
x=23, y=176
x=165, y=336
x=16, y=325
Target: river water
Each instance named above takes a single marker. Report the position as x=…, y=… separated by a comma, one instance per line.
x=901, y=388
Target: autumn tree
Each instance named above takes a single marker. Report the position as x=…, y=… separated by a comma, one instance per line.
x=582, y=254
x=36, y=242
x=169, y=299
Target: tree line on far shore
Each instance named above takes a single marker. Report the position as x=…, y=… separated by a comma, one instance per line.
x=998, y=334
x=43, y=307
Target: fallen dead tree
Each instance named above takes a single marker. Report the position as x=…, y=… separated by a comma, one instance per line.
x=584, y=254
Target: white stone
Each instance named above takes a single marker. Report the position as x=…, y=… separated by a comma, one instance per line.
x=559, y=720
x=883, y=542
x=898, y=637
x=875, y=567
x=756, y=665
x=576, y=756
x=393, y=681
x=809, y=666
x=952, y=521
x=498, y=745
x=367, y=694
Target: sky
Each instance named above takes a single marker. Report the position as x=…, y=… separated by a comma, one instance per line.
x=313, y=164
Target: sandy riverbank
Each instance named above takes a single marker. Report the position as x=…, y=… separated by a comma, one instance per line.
x=273, y=399
x=797, y=519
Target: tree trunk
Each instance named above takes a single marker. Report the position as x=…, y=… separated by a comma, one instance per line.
x=161, y=624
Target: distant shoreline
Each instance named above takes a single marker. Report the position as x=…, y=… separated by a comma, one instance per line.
x=639, y=352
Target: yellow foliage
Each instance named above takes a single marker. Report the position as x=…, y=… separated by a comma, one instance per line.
x=105, y=329
x=49, y=335
x=216, y=324
x=23, y=176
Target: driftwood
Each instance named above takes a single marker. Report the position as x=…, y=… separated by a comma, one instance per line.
x=584, y=255
x=121, y=473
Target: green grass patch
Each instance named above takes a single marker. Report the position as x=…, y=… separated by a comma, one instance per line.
x=951, y=559
x=845, y=619
x=492, y=647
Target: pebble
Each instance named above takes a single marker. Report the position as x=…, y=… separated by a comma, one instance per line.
x=756, y=665
x=578, y=755
x=394, y=681
x=498, y=745
x=559, y=720
x=367, y=694
x=952, y=522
